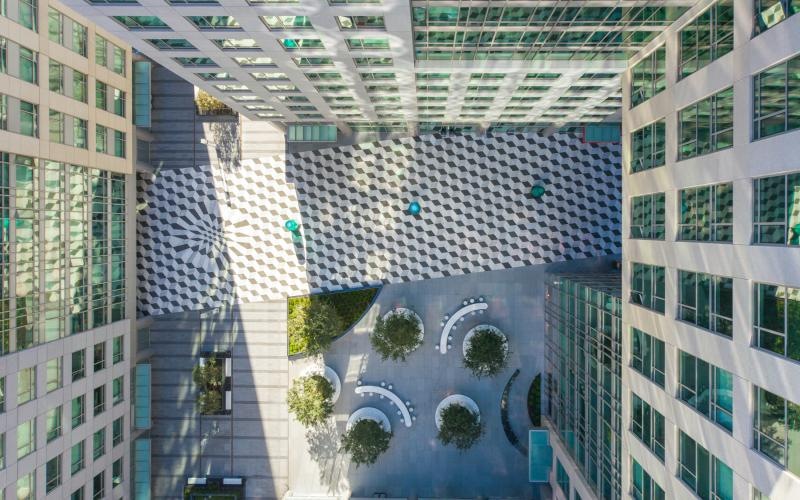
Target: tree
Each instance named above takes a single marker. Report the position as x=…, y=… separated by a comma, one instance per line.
x=210, y=379
x=487, y=353
x=365, y=442
x=310, y=399
x=207, y=104
x=397, y=335
x=312, y=325
x=460, y=426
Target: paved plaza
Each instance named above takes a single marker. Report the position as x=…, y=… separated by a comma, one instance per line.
x=417, y=464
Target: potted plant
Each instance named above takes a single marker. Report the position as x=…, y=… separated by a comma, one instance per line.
x=312, y=326
x=210, y=378
x=485, y=351
x=460, y=426
x=310, y=399
x=397, y=334
x=365, y=441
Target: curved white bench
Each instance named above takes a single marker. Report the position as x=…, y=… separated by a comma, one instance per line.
x=369, y=413
x=477, y=306
x=369, y=389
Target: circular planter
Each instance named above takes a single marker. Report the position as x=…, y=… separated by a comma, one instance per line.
x=369, y=413
x=404, y=310
x=330, y=375
x=456, y=399
x=471, y=333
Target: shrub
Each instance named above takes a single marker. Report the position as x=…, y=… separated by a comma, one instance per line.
x=207, y=104
x=348, y=306
x=312, y=325
x=487, y=353
x=535, y=401
x=365, y=442
x=210, y=379
x=309, y=399
x=396, y=336
x=460, y=426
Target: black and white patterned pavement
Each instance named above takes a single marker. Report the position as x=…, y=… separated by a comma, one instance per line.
x=208, y=236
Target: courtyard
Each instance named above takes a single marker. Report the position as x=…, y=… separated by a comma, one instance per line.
x=417, y=463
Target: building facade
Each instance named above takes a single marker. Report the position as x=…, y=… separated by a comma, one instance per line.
x=710, y=271
x=394, y=65
x=67, y=255
x=583, y=359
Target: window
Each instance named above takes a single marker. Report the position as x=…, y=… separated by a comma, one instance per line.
x=706, y=126
x=774, y=425
x=28, y=14
x=373, y=61
x=141, y=23
x=99, y=443
x=706, y=301
x=210, y=23
x=77, y=494
x=53, y=423
x=99, y=356
x=776, y=206
x=776, y=322
x=706, y=388
x=117, y=390
x=706, y=38
x=647, y=216
x=54, y=374
x=52, y=474
x=78, y=410
x=101, y=51
x=29, y=119
x=79, y=84
x=706, y=213
x=647, y=286
x=119, y=152
x=101, y=138
x=255, y=61
x=648, y=76
x=28, y=65
x=367, y=44
x=77, y=458
x=647, y=356
x=643, y=487
x=117, y=350
x=99, y=399
x=116, y=473
x=26, y=438
x=286, y=22
x=562, y=479
x=2, y=394
x=26, y=487
x=119, y=59
x=78, y=365
x=702, y=472
x=301, y=43
x=101, y=95
x=56, y=77
x=360, y=22
x=771, y=12
x=776, y=108
x=2, y=451
x=80, y=133
x=99, y=486
x=117, y=432
x=236, y=44
x=118, y=100
x=648, y=425
x=26, y=385
x=647, y=147
x=67, y=32
x=57, y=127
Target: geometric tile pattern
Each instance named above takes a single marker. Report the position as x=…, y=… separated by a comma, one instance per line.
x=212, y=235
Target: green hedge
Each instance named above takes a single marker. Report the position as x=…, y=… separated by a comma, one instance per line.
x=314, y=321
